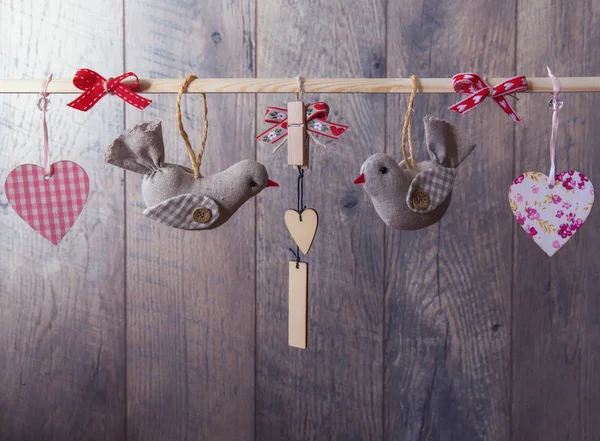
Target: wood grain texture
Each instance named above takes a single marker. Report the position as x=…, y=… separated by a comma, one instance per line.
x=556, y=381
x=61, y=308
x=312, y=85
x=447, y=306
x=190, y=295
x=332, y=390
x=463, y=331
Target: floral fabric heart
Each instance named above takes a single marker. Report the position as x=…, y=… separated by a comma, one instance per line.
x=551, y=216
x=50, y=206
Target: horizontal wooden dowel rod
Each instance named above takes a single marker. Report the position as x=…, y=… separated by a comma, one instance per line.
x=311, y=85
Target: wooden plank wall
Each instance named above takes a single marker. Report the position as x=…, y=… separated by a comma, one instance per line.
x=555, y=307
x=333, y=390
x=133, y=331
x=191, y=297
x=62, y=311
x=447, y=309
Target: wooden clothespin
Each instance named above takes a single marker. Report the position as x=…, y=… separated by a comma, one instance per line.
x=297, y=136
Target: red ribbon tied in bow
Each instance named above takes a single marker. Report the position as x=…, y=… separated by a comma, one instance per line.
x=316, y=122
x=478, y=90
x=95, y=86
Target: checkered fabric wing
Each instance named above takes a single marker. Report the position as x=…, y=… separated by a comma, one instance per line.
x=178, y=211
x=437, y=182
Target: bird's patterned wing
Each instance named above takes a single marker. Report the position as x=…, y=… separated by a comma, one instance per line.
x=186, y=211
x=430, y=188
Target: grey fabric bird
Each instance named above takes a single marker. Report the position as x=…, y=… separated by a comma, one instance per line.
x=171, y=192
x=414, y=198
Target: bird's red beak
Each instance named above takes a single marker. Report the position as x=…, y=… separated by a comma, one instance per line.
x=272, y=183
x=360, y=179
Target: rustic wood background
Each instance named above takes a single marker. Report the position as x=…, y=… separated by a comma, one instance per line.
x=464, y=331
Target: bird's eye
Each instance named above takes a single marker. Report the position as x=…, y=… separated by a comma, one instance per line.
x=383, y=170
x=253, y=184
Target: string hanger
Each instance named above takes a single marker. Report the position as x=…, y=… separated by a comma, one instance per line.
x=300, y=187
x=43, y=104
x=300, y=97
x=555, y=105
x=195, y=160
x=300, y=207
x=406, y=135
x=300, y=92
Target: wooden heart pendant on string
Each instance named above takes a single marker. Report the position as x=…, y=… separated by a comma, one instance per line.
x=303, y=231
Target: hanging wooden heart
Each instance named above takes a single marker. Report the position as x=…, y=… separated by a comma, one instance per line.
x=49, y=205
x=302, y=231
x=551, y=216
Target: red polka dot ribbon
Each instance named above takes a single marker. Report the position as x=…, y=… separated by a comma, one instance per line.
x=95, y=86
x=316, y=122
x=478, y=90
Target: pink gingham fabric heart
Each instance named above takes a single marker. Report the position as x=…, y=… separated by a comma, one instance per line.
x=49, y=206
x=551, y=216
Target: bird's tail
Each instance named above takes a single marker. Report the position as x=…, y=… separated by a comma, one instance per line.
x=444, y=143
x=140, y=150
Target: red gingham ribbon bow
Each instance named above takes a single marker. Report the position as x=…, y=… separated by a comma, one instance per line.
x=316, y=122
x=473, y=85
x=95, y=86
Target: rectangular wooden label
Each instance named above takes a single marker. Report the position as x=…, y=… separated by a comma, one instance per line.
x=298, y=304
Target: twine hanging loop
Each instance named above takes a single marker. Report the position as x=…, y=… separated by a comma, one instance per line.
x=406, y=135
x=195, y=160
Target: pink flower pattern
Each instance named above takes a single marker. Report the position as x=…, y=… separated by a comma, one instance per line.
x=551, y=216
x=569, y=183
x=564, y=231
x=532, y=213
x=576, y=224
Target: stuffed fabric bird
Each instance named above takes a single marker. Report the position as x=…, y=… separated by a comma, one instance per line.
x=414, y=198
x=171, y=193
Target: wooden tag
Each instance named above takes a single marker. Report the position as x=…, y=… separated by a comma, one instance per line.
x=303, y=232
x=297, y=138
x=298, y=304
